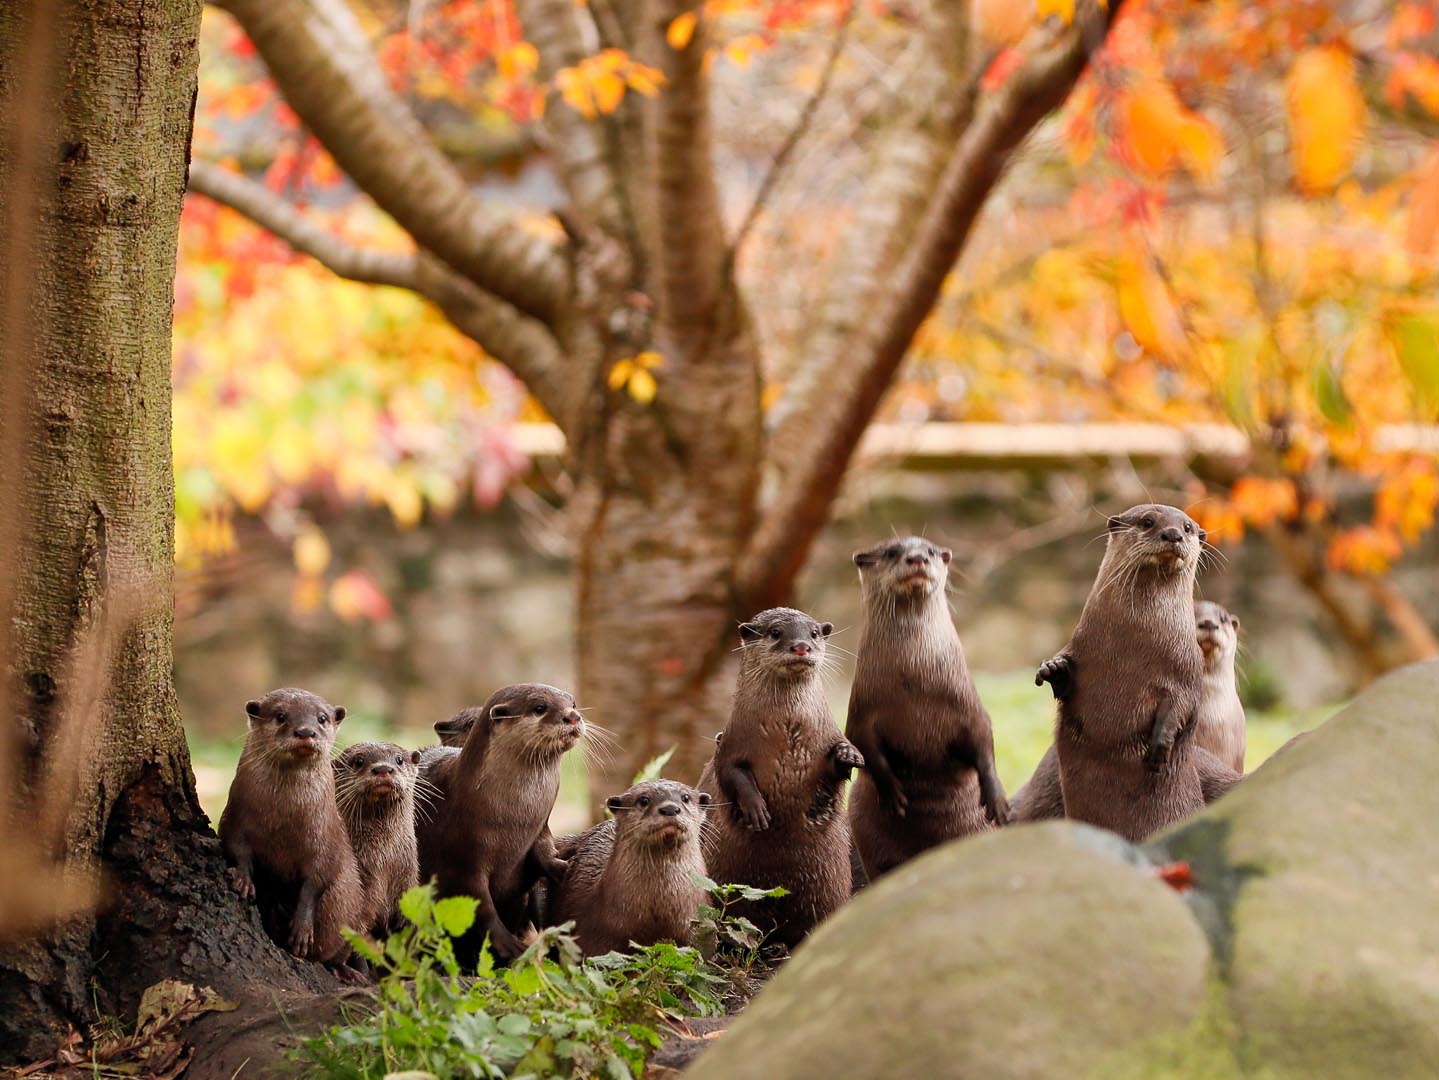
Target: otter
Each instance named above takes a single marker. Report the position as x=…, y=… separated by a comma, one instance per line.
x=631, y=879
x=779, y=771
x=489, y=836
x=281, y=830
x=375, y=790
x=1219, y=729
x=1129, y=682
x=452, y=731
x=915, y=715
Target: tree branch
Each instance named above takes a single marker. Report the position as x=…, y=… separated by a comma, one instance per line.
x=323, y=66
x=275, y=215
x=837, y=409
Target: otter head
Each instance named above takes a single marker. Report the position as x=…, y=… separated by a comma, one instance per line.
x=1218, y=633
x=536, y=720
x=910, y=567
x=297, y=727
x=783, y=643
x=658, y=814
x=453, y=730
x=1155, y=535
x=374, y=775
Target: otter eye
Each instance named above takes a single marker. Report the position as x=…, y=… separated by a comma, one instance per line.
x=686, y=798
x=540, y=709
x=280, y=717
x=1148, y=521
x=642, y=801
x=931, y=552
x=814, y=633
x=324, y=719
x=1188, y=527
x=775, y=633
x=892, y=552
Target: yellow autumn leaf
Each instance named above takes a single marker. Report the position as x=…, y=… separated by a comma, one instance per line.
x=1146, y=309
x=1326, y=117
x=681, y=29
x=649, y=359
x=403, y=499
x=608, y=90
x=642, y=386
x=576, y=91
x=1063, y=8
x=1201, y=147
x=620, y=373
x=519, y=60
x=645, y=79
x=311, y=551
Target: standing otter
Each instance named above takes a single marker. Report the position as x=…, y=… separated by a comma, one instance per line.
x=375, y=792
x=630, y=879
x=915, y=715
x=282, y=833
x=1220, y=727
x=489, y=836
x=779, y=769
x=1129, y=681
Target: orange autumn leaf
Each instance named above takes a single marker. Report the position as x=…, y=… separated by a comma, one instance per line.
x=1160, y=132
x=1064, y=9
x=1364, y=550
x=1262, y=500
x=1326, y=117
x=1423, y=225
x=681, y=29
x=1146, y=307
x=608, y=90
x=1001, y=22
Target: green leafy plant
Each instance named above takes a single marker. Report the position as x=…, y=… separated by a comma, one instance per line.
x=553, y=1012
x=651, y=769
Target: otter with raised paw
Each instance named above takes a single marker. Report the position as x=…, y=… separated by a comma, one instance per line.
x=778, y=773
x=632, y=879
x=488, y=835
x=1219, y=729
x=915, y=715
x=375, y=789
x=282, y=832
x=1129, y=683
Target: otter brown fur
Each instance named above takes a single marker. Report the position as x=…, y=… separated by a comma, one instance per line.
x=453, y=729
x=1219, y=728
x=632, y=879
x=915, y=715
x=778, y=773
x=281, y=830
x=375, y=789
x=1131, y=679
x=489, y=834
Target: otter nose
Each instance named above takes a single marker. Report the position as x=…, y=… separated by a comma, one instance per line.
x=917, y=560
x=381, y=768
x=799, y=648
x=1209, y=624
x=572, y=717
x=1171, y=534
x=305, y=733
x=670, y=809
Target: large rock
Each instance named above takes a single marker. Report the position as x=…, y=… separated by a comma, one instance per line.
x=1309, y=946
x=1034, y=952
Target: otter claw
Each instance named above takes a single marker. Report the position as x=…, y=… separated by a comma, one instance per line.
x=302, y=941
x=241, y=883
x=1057, y=673
x=755, y=817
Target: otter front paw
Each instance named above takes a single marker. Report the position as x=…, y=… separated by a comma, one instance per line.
x=754, y=814
x=241, y=883
x=1156, y=758
x=302, y=939
x=846, y=757
x=554, y=868
x=895, y=800
x=504, y=946
x=1058, y=672
x=999, y=813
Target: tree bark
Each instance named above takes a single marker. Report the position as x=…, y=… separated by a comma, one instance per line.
x=91, y=183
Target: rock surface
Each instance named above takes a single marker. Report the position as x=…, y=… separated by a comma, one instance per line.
x=1309, y=945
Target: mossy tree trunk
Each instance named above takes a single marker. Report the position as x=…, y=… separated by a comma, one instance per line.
x=97, y=100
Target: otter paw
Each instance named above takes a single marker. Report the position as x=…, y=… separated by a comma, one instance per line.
x=846, y=758
x=504, y=945
x=1057, y=672
x=1000, y=814
x=896, y=802
x=241, y=883
x=754, y=816
x=302, y=940
x=1156, y=758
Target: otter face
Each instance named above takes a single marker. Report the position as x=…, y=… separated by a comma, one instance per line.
x=1218, y=632
x=911, y=567
x=784, y=642
x=1160, y=536
x=299, y=727
x=375, y=773
x=541, y=721
x=452, y=731
x=658, y=814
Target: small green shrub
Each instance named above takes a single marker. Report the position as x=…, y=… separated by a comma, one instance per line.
x=553, y=1012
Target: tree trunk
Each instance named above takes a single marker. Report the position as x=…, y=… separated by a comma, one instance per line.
x=91, y=184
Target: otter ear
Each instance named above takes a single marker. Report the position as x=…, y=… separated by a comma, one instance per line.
x=867, y=557
x=1117, y=523
x=945, y=555
x=253, y=708
x=340, y=713
x=414, y=757
x=1234, y=621
x=615, y=802
x=749, y=631
x=504, y=710
x=826, y=628
x=704, y=798
x=1203, y=536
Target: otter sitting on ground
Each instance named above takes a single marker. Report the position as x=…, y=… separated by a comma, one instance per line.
x=282, y=833
x=489, y=836
x=632, y=879
x=778, y=772
x=375, y=792
x=915, y=715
